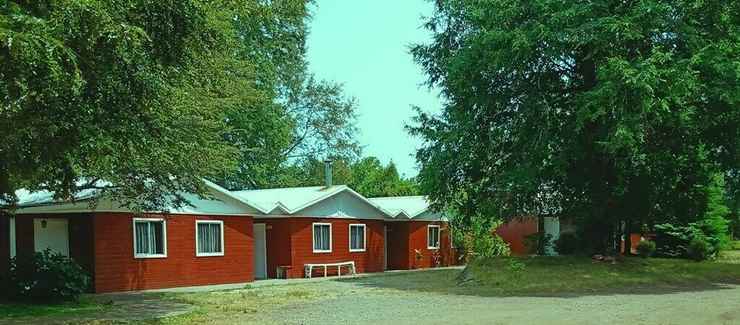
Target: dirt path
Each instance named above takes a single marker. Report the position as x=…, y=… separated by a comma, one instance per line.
x=382, y=306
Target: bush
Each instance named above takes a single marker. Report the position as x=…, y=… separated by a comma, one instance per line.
x=538, y=243
x=699, y=249
x=646, y=248
x=46, y=277
x=567, y=244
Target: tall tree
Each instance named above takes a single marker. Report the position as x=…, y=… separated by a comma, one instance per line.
x=368, y=176
x=129, y=92
x=611, y=112
x=302, y=118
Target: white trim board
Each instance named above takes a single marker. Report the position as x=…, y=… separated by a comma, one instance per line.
x=197, y=245
x=313, y=237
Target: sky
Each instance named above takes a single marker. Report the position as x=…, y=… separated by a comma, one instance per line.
x=364, y=45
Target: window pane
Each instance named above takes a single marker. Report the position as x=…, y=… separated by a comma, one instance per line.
x=209, y=238
x=321, y=237
x=149, y=237
x=357, y=237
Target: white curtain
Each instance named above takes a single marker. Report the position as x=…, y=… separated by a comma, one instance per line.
x=433, y=237
x=149, y=237
x=357, y=237
x=209, y=238
x=321, y=237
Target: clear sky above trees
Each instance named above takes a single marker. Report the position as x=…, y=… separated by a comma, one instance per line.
x=364, y=44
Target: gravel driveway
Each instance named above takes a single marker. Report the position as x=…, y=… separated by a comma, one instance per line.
x=361, y=304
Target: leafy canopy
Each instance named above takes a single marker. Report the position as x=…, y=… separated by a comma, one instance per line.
x=604, y=111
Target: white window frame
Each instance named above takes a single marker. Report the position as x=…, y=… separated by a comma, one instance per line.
x=439, y=236
x=164, y=237
x=364, y=237
x=197, y=247
x=313, y=237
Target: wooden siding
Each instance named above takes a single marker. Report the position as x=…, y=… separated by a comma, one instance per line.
x=514, y=232
x=297, y=250
x=116, y=269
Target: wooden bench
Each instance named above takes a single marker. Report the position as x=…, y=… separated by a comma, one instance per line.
x=308, y=268
x=282, y=271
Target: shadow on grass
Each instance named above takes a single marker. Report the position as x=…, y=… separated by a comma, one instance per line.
x=563, y=277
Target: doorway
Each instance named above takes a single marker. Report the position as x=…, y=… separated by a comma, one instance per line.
x=51, y=234
x=260, y=251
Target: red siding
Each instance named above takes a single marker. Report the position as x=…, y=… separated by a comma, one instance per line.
x=398, y=246
x=514, y=232
x=297, y=250
x=278, y=243
x=117, y=270
x=410, y=237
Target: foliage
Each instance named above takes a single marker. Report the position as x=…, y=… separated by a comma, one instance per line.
x=646, y=248
x=567, y=244
x=130, y=92
x=46, y=277
x=479, y=240
x=516, y=266
x=538, y=243
x=699, y=249
x=151, y=97
x=367, y=176
x=610, y=112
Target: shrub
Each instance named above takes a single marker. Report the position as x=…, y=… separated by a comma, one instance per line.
x=516, y=266
x=646, y=248
x=480, y=241
x=699, y=249
x=538, y=243
x=567, y=244
x=46, y=277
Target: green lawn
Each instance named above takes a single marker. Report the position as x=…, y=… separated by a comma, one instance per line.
x=545, y=276
x=500, y=277
x=85, y=306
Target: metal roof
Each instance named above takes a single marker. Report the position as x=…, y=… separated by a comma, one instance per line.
x=410, y=206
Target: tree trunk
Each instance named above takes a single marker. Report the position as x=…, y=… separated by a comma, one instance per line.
x=627, y=237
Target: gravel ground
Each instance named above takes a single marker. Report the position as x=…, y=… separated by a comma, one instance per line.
x=365, y=305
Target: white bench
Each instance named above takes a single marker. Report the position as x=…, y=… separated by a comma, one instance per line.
x=308, y=268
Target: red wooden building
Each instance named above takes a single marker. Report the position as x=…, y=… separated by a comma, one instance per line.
x=229, y=237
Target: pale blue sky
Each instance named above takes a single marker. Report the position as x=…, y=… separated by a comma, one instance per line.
x=364, y=45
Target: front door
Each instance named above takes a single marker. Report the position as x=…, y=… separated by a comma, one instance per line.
x=51, y=234
x=260, y=251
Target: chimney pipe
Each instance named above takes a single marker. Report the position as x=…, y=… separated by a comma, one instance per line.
x=328, y=173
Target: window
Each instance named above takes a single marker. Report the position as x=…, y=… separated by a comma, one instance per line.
x=433, y=237
x=209, y=238
x=322, y=238
x=150, y=238
x=357, y=238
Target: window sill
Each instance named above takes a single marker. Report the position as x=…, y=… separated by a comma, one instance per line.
x=433, y=248
x=149, y=256
x=321, y=251
x=208, y=254
x=356, y=250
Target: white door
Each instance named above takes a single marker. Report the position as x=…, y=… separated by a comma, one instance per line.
x=385, y=247
x=52, y=234
x=260, y=251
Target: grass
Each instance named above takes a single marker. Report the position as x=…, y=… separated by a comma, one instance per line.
x=85, y=306
x=527, y=276
x=555, y=276
x=244, y=306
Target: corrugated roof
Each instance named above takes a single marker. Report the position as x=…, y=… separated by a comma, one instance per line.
x=43, y=201
x=411, y=206
x=287, y=200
